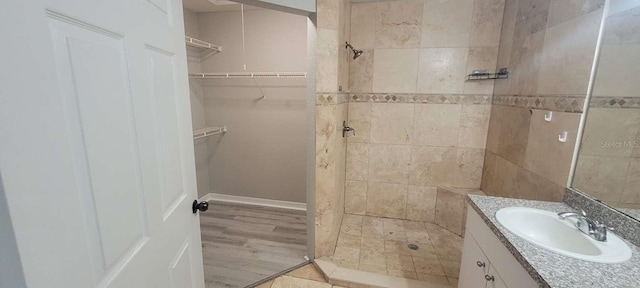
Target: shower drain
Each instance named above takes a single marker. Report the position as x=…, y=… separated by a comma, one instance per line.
x=413, y=247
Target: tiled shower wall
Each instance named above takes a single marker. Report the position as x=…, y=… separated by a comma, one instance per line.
x=549, y=46
x=331, y=110
x=418, y=124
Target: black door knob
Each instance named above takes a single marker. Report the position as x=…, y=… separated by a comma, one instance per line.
x=202, y=206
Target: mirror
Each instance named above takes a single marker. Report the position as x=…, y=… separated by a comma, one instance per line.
x=608, y=161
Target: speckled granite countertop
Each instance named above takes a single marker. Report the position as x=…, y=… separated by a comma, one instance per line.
x=550, y=269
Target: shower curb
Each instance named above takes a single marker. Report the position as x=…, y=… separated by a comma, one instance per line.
x=355, y=279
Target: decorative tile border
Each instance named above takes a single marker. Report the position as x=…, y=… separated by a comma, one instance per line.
x=614, y=102
x=420, y=98
x=323, y=98
x=625, y=225
x=560, y=103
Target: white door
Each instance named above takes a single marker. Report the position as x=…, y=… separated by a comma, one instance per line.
x=96, y=154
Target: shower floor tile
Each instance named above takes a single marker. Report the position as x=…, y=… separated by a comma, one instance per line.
x=381, y=245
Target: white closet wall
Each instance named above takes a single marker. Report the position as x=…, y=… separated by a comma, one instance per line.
x=197, y=105
x=263, y=154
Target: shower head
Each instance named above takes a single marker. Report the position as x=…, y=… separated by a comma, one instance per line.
x=356, y=53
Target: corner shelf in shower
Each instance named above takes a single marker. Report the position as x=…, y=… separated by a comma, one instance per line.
x=502, y=73
x=203, y=45
x=208, y=131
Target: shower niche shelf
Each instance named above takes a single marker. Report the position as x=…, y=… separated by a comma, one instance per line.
x=208, y=131
x=202, y=45
x=502, y=73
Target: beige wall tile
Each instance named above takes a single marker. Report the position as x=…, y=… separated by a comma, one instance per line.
x=481, y=58
x=436, y=124
x=524, y=67
x=391, y=123
x=398, y=24
x=616, y=60
x=535, y=187
x=531, y=18
x=564, y=10
x=489, y=173
x=501, y=87
x=327, y=60
x=487, y=21
x=608, y=130
x=363, y=25
x=357, y=161
x=361, y=71
x=450, y=211
x=474, y=126
x=442, y=70
x=359, y=119
x=389, y=163
x=514, y=133
x=602, y=177
x=545, y=154
x=571, y=44
x=623, y=27
x=447, y=23
x=505, y=178
x=421, y=203
x=631, y=192
x=432, y=166
x=508, y=21
x=328, y=13
x=386, y=200
x=395, y=70
x=355, y=197
x=469, y=168
x=493, y=133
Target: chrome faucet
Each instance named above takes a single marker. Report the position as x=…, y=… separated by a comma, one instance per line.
x=593, y=229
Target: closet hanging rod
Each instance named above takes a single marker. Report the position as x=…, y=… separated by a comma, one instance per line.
x=249, y=75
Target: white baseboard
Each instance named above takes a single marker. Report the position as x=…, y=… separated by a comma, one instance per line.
x=255, y=201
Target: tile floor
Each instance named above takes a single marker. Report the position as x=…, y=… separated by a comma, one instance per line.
x=380, y=245
x=305, y=277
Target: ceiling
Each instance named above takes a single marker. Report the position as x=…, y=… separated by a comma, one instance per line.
x=201, y=6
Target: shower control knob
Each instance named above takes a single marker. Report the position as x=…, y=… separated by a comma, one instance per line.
x=202, y=206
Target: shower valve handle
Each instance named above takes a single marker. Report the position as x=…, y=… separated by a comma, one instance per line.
x=346, y=129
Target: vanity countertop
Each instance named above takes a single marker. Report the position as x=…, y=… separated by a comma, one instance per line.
x=550, y=269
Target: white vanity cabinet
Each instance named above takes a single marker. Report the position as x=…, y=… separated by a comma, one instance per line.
x=486, y=263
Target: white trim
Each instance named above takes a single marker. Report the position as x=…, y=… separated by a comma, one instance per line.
x=255, y=201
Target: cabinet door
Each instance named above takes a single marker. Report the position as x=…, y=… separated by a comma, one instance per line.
x=496, y=281
x=474, y=266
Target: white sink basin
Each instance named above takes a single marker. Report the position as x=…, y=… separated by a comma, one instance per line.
x=545, y=229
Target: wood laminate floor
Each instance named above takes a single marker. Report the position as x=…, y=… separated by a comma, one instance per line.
x=242, y=244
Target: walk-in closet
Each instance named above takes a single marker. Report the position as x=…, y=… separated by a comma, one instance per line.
x=247, y=79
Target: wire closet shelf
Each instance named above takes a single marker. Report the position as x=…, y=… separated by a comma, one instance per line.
x=266, y=79
x=208, y=131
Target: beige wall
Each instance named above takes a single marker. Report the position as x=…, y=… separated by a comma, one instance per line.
x=549, y=46
x=331, y=109
x=609, y=162
x=419, y=124
x=197, y=105
x=263, y=153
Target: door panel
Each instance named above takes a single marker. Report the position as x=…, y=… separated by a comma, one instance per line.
x=96, y=138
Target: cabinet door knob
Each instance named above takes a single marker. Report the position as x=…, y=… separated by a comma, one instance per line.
x=488, y=278
x=480, y=264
